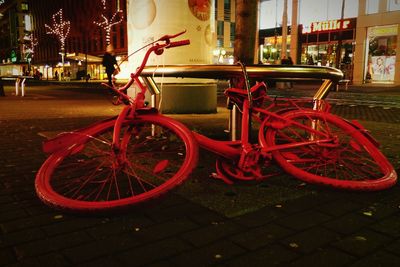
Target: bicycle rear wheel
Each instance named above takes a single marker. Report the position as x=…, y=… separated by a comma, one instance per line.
x=156, y=154
x=346, y=159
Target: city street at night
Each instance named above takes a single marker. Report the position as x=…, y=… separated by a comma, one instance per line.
x=280, y=221
x=118, y=146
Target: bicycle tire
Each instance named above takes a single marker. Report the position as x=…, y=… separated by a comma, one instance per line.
x=350, y=161
x=90, y=176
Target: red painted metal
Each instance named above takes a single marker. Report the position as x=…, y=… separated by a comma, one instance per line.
x=150, y=153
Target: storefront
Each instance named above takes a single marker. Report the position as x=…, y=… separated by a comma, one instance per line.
x=271, y=45
x=320, y=41
x=381, y=54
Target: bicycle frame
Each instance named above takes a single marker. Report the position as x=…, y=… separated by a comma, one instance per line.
x=227, y=148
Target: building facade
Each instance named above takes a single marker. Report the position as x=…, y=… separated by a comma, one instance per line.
x=363, y=45
x=30, y=47
x=85, y=43
x=16, y=39
x=377, y=53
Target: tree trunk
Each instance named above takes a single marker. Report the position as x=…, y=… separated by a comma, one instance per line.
x=246, y=31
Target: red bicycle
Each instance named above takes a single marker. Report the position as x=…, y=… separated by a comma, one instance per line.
x=141, y=154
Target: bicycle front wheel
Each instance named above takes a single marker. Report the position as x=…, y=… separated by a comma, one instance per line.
x=337, y=154
x=155, y=155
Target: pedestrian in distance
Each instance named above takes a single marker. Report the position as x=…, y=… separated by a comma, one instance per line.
x=110, y=63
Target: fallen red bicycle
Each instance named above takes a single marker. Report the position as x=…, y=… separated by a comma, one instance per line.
x=141, y=154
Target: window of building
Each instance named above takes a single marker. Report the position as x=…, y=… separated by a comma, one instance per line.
x=220, y=42
x=372, y=6
x=227, y=10
x=24, y=7
x=381, y=54
x=393, y=5
x=28, y=23
x=220, y=28
x=114, y=41
x=232, y=37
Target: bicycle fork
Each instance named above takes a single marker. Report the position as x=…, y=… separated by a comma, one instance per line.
x=119, y=145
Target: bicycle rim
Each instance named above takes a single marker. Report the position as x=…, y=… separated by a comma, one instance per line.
x=156, y=154
x=349, y=160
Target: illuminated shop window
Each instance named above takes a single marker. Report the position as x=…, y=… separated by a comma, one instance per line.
x=381, y=54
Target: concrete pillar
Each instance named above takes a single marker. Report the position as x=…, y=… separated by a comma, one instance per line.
x=359, y=52
x=284, y=30
x=294, y=35
x=150, y=19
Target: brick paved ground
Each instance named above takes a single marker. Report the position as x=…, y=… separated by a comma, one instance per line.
x=301, y=225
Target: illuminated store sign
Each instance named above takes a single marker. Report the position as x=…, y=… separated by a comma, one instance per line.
x=328, y=25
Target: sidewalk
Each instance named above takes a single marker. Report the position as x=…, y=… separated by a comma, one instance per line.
x=278, y=222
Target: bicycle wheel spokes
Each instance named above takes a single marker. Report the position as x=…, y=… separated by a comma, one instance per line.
x=338, y=155
x=153, y=156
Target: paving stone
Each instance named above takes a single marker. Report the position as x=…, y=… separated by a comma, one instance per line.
x=310, y=240
x=165, y=229
x=273, y=255
x=12, y=215
x=260, y=217
x=154, y=252
x=327, y=257
x=304, y=220
x=28, y=222
x=362, y=243
x=339, y=207
x=62, y=223
x=210, y=234
x=389, y=226
x=50, y=244
x=378, y=259
x=349, y=223
x=50, y=259
x=380, y=210
x=7, y=256
x=109, y=261
x=114, y=226
x=214, y=254
x=261, y=236
x=394, y=247
x=20, y=237
x=303, y=203
x=205, y=216
x=100, y=248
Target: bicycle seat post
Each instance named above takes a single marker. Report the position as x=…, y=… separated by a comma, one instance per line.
x=247, y=136
x=247, y=84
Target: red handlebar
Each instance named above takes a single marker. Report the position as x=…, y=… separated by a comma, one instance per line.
x=171, y=36
x=178, y=43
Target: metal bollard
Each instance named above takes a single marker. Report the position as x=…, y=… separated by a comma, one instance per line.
x=23, y=87
x=16, y=86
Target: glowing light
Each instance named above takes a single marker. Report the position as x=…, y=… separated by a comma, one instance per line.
x=29, y=47
x=60, y=28
x=106, y=22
